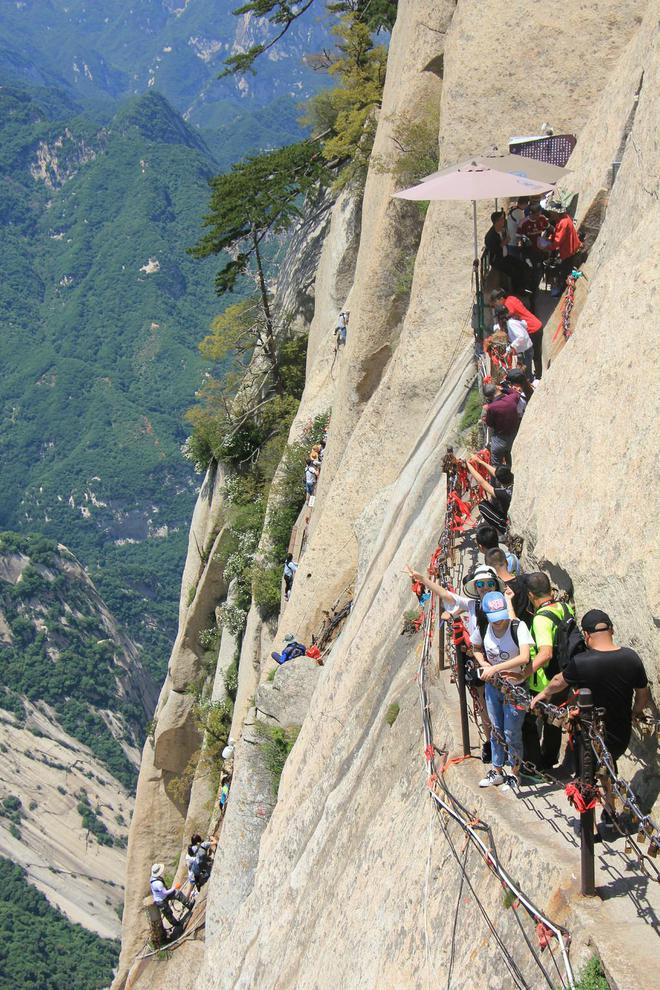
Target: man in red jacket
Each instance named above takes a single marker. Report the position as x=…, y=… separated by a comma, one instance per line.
x=566, y=241
x=498, y=297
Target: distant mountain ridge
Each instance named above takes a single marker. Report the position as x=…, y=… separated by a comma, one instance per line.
x=106, y=52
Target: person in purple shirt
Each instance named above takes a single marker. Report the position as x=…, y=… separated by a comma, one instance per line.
x=502, y=419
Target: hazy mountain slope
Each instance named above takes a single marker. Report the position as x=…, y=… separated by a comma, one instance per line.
x=118, y=48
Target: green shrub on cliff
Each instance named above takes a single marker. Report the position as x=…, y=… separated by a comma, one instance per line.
x=276, y=744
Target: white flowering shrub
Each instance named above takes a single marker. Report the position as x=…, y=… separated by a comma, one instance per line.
x=233, y=618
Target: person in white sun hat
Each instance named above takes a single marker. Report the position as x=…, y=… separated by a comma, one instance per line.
x=162, y=895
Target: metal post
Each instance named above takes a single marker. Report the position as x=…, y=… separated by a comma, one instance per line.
x=586, y=774
x=441, y=636
x=462, y=698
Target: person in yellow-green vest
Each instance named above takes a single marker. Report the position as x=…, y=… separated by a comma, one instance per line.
x=541, y=740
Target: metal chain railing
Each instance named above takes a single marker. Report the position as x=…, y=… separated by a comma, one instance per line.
x=447, y=564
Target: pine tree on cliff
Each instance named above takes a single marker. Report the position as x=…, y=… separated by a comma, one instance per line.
x=376, y=15
x=258, y=199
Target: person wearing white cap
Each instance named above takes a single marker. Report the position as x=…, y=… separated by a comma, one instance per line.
x=162, y=895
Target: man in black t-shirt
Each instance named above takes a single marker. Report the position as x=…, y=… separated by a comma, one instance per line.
x=615, y=675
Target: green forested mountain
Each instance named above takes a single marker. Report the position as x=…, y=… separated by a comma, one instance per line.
x=101, y=194
x=100, y=310
x=40, y=949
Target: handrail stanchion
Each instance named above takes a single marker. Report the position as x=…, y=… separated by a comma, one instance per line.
x=441, y=636
x=586, y=775
x=462, y=697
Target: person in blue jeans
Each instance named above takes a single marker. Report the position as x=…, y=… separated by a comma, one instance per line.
x=506, y=647
x=290, y=651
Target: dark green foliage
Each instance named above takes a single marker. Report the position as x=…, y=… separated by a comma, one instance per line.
x=277, y=742
x=91, y=820
x=472, y=408
x=40, y=949
x=592, y=977
x=10, y=702
x=231, y=680
x=11, y=808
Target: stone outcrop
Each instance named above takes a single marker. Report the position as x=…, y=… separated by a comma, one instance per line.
x=344, y=881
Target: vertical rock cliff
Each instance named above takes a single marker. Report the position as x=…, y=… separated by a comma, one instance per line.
x=341, y=881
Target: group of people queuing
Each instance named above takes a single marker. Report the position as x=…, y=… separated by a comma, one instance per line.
x=199, y=857
x=199, y=860
x=519, y=630
x=529, y=240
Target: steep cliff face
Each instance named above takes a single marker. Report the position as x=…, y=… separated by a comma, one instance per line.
x=349, y=883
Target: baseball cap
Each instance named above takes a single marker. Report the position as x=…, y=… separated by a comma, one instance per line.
x=593, y=618
x=494, y=606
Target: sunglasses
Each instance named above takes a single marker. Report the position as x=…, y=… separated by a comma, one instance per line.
x=485, y=584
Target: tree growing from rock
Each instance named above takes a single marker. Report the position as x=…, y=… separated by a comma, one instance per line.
x=375, y=15
x=257, y=200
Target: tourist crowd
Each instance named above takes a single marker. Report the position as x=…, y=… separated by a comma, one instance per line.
x=517, y=629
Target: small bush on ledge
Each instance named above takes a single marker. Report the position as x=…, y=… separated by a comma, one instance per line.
x=277, y=742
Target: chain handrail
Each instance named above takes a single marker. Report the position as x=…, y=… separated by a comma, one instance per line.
x=564, y=716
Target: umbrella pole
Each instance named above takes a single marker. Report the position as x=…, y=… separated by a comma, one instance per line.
x=477, y=276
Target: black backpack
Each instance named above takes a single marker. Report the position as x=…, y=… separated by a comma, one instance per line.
x=567, y=643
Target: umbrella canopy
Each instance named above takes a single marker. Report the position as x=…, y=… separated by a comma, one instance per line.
x=487, y=178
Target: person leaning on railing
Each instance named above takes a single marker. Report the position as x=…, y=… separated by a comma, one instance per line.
x=501, y=416
x=616, y=678
x=543, y=750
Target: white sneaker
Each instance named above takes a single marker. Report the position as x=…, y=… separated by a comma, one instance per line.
x=511, y=783
x=492, y=779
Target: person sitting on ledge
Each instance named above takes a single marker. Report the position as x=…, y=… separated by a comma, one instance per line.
x=290, y=651
x=513, y=267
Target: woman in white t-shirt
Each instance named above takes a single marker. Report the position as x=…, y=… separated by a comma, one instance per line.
x=520, y=341
x=506, y=645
